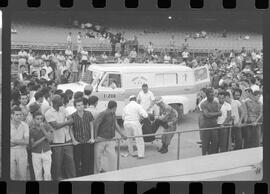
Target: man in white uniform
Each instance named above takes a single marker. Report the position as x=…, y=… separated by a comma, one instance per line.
x=146, y=99
x=132, y=114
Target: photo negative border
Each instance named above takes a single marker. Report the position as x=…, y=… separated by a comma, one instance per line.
x=243, y=187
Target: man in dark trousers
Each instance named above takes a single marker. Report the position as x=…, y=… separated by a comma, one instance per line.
x=210, y=113
x=168, y=119
x=82, y=134
x=62, y=156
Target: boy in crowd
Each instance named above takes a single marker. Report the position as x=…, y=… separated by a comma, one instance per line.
x=41, y=134
x=82, y=134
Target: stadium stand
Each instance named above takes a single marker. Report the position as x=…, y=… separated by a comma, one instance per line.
x=48, y=36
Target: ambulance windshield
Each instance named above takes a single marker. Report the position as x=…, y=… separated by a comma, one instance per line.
x=92, y=77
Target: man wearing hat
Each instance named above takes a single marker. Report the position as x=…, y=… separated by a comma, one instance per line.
x=132, y=114
x=62, y=156
x=168, y=119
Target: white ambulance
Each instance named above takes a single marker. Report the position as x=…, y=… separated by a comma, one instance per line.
x=178, y=85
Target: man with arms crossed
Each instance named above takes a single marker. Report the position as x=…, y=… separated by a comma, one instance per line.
x=210, y=113
x=19, y=139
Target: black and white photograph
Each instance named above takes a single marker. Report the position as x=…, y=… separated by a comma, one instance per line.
x=136, y=96
x=1, y=92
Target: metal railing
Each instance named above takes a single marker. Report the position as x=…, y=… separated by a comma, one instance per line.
x=118, y=139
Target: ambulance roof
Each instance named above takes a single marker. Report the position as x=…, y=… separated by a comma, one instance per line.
x=138, y=67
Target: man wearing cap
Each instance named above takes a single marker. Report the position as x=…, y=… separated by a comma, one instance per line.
x=62, y=156
x=168, y=119
x=132, y=114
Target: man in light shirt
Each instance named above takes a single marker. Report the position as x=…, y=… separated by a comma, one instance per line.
x=237, y=116
x=47, y=68
x=22, y=57
x=84, y=59
x=79, y=41
x=185, y=55
x=167, y=58
x=69, y=39
x=19, y=139
x=146, y=99
x=224, y=119
x=68, y=52
x=253, y=86
x=56, y=116
x=132, y=114
x=133, y=56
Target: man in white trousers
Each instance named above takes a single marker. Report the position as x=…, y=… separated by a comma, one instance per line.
x=131, y=115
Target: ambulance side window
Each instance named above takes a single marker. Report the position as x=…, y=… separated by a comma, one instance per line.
x=164, y=79
x=112, y=81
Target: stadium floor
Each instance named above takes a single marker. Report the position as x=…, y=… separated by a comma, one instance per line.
x=188, y=146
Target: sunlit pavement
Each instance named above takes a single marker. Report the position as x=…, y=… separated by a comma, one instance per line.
x=188, y=146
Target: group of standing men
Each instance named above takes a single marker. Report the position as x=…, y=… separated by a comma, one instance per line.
x=230, y=108
x=60, y=135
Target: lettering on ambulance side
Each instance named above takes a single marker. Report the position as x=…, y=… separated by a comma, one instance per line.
x=110, y=96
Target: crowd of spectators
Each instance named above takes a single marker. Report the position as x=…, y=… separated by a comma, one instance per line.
x=41, y=114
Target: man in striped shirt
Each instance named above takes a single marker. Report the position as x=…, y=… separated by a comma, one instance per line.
x=82, y=135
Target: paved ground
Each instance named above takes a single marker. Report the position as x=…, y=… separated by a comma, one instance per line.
x=188, y=146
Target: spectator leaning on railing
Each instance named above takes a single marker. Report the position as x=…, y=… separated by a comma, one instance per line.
x=210, y=113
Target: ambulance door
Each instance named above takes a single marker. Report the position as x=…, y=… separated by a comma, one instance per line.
x=202, y=77
x=111, y=88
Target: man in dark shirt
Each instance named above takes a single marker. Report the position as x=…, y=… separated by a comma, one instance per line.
x=40, y=136
x=104, y=129
x=82, y=135
x=210, y=113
